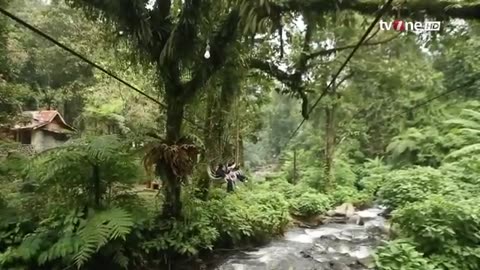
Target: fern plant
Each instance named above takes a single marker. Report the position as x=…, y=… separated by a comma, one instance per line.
x=419, y=146
x=99, y=230
x=92, y=176
x=91, y=171
x=72, y=240
x=469, y=126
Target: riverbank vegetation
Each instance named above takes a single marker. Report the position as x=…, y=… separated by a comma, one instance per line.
x=399, y=128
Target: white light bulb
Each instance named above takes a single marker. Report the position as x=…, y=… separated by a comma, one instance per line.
x=207, y=54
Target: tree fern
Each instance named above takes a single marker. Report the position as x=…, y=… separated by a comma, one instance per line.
x=57, y=241
x=405, y=142
x=469, y=124
x=101, y=228
x=68, y=170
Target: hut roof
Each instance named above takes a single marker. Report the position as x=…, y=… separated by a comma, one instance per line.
x=41, y=119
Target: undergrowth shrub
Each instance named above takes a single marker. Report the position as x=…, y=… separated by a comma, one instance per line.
x=71, y=240
x=268, y=213
x=360, y=199
x=229, y=214
x=465, y=175
x=410, y=185
x=372, y=175
x=70, y=214
x=344, y=172
x=249, y=215
x=343, y=194
x=298, y=190
x=184, y=237
x=314, y=175
x=457, y=258
x=310, y=204
x=287, y=189
x=303, y=200
x=224, y=219
x=280, y=185
x=444, y=228
x=466, y=169
x=400, y=254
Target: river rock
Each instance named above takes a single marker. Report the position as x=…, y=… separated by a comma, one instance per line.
x=305, y=254
x=345, y=210
x=337, y=219
x=311, y=222
x=377, y=227
x=301, y=224
x=355, y=219
x=331, y=213
x=339, y=266
x=367, y=215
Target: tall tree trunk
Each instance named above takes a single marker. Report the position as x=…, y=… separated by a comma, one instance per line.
x=330, y=141
x=97, y=189
x=329, y=147
x=172, y=184
x=237, y=139
x=241, y=157
x=294, y=173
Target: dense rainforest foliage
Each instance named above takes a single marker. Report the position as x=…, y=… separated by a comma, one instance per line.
x=232, y=80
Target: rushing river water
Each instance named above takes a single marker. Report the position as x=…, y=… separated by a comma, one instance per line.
x=328, y=247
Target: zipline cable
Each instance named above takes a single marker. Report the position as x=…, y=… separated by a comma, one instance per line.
x=86, y=60
x=324, y=92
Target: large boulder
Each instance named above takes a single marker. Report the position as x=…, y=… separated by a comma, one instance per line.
x=344, y=210
x=370, y=214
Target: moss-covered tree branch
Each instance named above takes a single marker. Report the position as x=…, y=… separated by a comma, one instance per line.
x=272, y=70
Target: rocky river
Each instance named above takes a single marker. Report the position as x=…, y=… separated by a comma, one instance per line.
x=346, y=242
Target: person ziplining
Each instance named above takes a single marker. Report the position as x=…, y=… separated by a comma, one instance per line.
x=230, y=173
